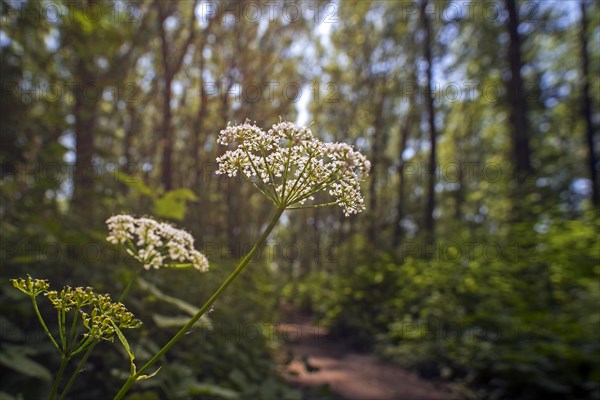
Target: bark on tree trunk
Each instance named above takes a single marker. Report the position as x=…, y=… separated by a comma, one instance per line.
x=84, y=174
x=516, y=96
x=375, y=161
x=587, y=108
x=429, y=223
x=404, y=134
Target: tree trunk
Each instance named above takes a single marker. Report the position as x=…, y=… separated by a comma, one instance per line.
x=404, y=134
x=166, y=138
x=197, y=133
x=587, y=108
x=375, y=160
x=171, y=64
x=516, y=96
x=84, y=174
x=429, y=223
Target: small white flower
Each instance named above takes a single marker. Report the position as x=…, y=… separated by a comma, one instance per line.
x=289, y=165
x=155, y=244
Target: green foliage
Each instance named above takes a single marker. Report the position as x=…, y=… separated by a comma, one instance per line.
x=520, y=325
x=165, y=204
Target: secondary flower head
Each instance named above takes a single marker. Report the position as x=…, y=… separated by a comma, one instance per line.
x=31, y=287
x=289, y=165
x=99, y=314
x=155, y=244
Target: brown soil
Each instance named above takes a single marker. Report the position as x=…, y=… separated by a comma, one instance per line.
x=317, y=359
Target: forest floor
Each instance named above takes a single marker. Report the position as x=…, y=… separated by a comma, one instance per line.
x=326, y=368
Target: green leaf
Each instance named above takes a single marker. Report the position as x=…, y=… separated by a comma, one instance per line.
x=238, y=377
x=180, y=304
x=15, y=358
x=213, y=390
x=6, y=396
x=135, y=183
x=125, y=344
x=145, y=377
x=173, y=203
x=163, y=321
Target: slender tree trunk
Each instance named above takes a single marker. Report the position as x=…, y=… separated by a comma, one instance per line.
x=516, y=96
x=404, y=134
x=165, y=127
x=376, y=158
x=130, y=132
x=166, y=138
x=587, y=108
x=171, y=64
x=429, y=223
x=198, y=134
x=85, y=113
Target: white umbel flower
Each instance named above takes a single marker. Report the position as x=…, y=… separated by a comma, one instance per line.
x=289, y=165
x=155, y=244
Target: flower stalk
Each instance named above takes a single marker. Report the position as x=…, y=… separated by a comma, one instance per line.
x=133, y=378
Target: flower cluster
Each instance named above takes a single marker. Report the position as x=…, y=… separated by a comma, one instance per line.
x=155, y=244
x=100, y=315
x=31, y=287
x=290, y=165
x=104, y=316
x=69, y=298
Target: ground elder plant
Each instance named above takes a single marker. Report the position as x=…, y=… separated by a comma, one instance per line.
x=84, y=320
x=289, y=165
x=286, y=163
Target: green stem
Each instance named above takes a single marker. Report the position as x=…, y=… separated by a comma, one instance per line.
x=61, y=370
x=78, y=348
x=131, y=380
x=39, y=315
x=77, y=369
x=130, y=284
x=292, y=193
x=61, y=331
x=333, y=203
x=258, y=187
x=73, y=325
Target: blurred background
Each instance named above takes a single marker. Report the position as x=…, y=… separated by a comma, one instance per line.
x=477, y=261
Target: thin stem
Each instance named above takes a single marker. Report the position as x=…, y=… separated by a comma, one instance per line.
x=258, y=187
x=314, y=190
x=39, y=315
x=271, y=174
x=73, y=324
x=61, y=370
x=81, y=345
x=77, y=370
x=275, y=197
x=131, y=380
x=62, y=329
x=129, y=285
x=333, y=203
x=287, y=167
x=292, y=193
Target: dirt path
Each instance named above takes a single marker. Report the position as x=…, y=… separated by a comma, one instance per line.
x=319, y=360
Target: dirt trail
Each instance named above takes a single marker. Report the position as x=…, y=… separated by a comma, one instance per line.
x=321, y=360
